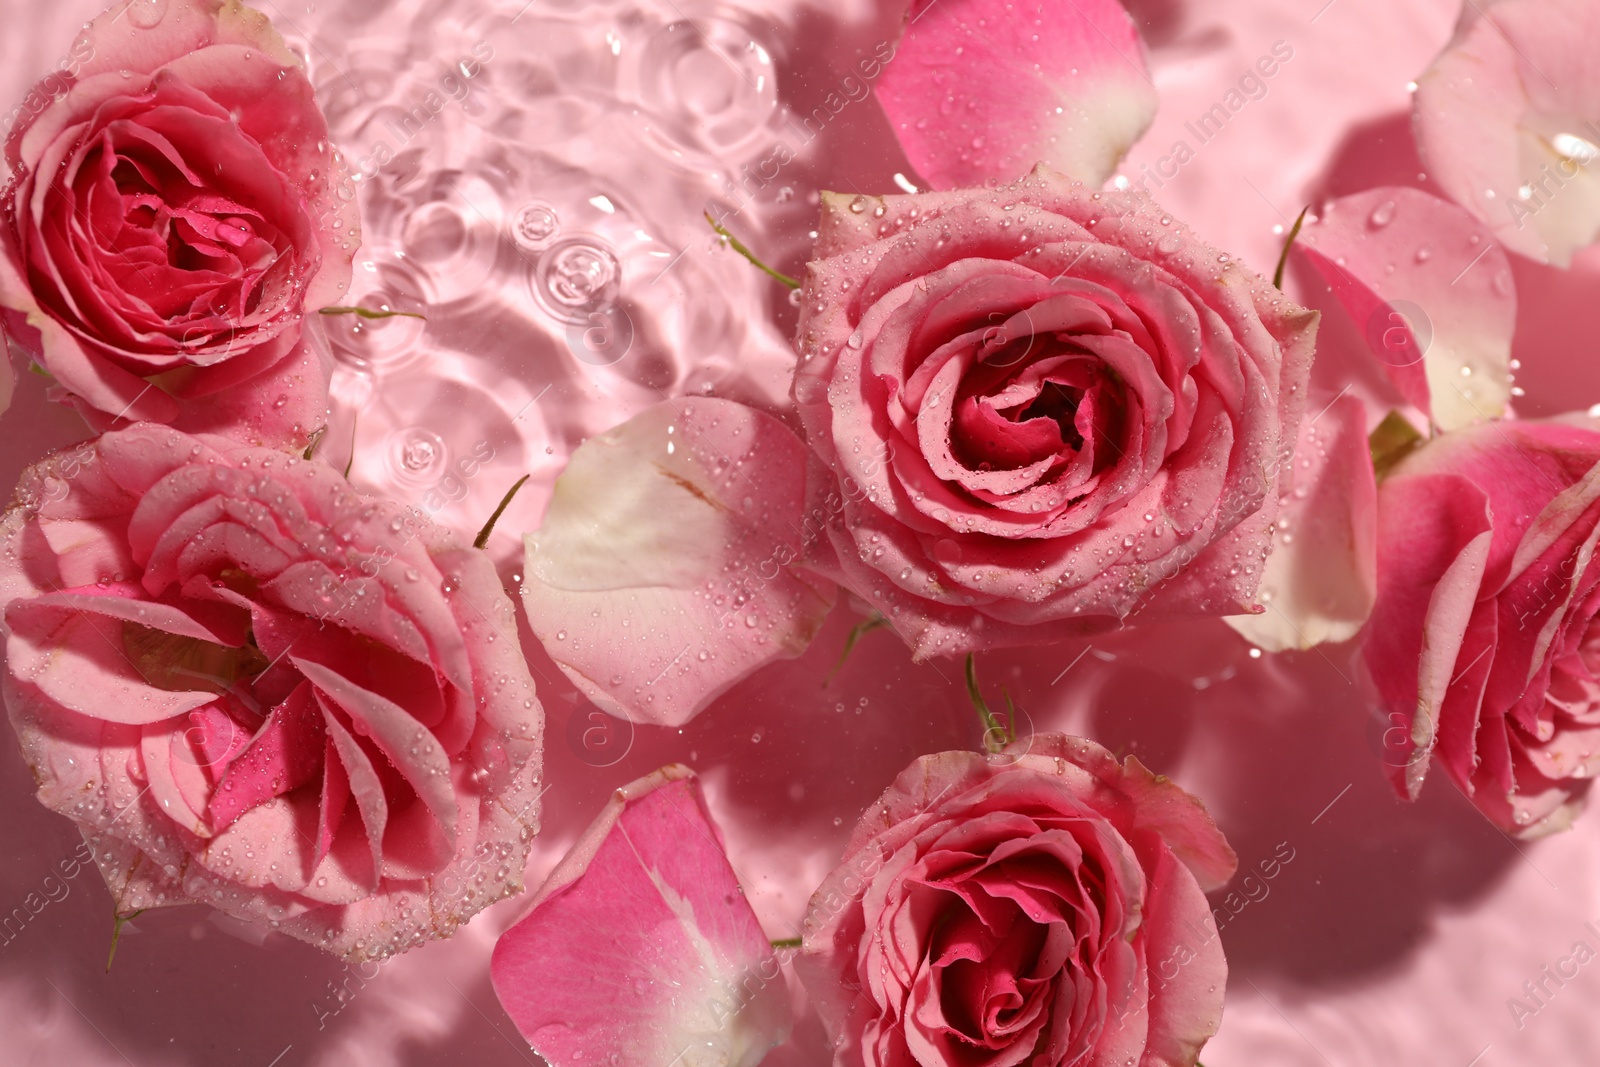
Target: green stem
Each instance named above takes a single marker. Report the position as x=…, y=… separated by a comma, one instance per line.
x=488, y=528
x=368, y=313
x=789, y=942
x=351, y=462
x=860, y=630
x=738, y=246
x=116, y=934
x=996, y=735
x=316, y=439
x=1288, y=243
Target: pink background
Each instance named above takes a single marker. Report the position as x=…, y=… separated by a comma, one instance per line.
x=1396, y=934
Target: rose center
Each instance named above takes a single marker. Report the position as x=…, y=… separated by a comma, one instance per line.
x=1058, y=402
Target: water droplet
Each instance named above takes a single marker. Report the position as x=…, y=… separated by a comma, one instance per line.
x=147, y=14
x=1381, y=215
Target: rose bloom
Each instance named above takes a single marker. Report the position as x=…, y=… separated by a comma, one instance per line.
x=1483, y=644
x=1042, y=410
x=254, y=688
x=172, y=214
x=1043, y=907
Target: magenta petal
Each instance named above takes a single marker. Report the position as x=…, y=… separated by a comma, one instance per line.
x=1431, y=290
x=286, y=753
x=985, y=89
x=641, y=947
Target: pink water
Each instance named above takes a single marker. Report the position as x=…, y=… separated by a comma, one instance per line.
x=542, y=208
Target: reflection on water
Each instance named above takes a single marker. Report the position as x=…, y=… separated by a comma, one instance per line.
x=532, y=183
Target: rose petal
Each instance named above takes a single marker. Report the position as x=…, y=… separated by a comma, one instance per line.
x=1144, y=800
x=410, y=747
x=1320, y=580
x=77, y=658
x=669, y=564
x=1508, y=122
x=1434, y=534
x=277, y=408
x=1394, y=255
x=285, y=754
x=981, y=89
x=691, y=982
x=1186, y=973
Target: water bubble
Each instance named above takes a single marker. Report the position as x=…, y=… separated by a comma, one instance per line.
x=575, y=277
x=418, y=455
x=534, y=225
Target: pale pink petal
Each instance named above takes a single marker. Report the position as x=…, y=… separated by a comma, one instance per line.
x=178, y=803
x=641, y=947
x=136, y=882
x=985, y=89
x=411, y=748
x=270, y=846
x=77, y=659
x=1403, y=264
x=1321, y=579
x=1508, y=122
x=364, y=786
x=668, y=565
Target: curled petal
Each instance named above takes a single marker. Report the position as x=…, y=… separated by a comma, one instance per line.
x=1430, y=290
x=1434, y=535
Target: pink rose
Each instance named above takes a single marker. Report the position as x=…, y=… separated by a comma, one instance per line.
x=254, y=688
x=171, y=217
x=1482, y=643
x=1042, y=410
x=1044, y=906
